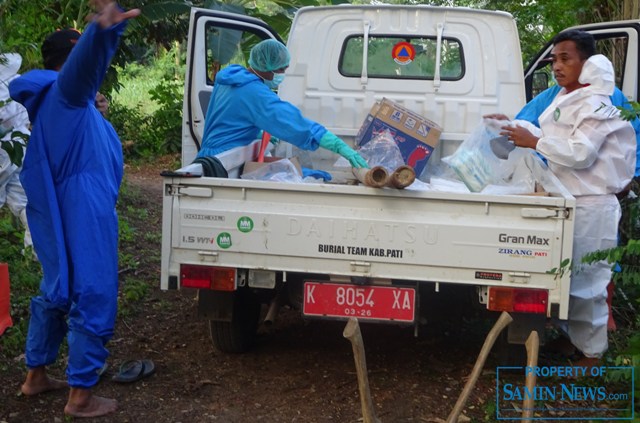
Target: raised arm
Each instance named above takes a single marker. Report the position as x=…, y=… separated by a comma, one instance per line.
x=84, y=70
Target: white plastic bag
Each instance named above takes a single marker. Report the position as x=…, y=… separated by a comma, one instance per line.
x=474, y=162
x=279, y=171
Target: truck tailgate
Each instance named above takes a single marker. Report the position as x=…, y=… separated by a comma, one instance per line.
x=361, y=231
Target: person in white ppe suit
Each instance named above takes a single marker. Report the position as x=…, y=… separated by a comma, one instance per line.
x=13, y=120
x=592, y=151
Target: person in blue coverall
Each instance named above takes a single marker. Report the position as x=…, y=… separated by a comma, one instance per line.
x=243, y=104
x=72, y=172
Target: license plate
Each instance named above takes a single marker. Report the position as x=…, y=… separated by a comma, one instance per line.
x=363, y=302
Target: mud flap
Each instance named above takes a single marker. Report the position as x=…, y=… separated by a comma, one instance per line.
x=215, y=305
x=523, y=323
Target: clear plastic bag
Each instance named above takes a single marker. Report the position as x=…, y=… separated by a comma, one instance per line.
x=279, y=171
x=383, y=151
x=474, y=162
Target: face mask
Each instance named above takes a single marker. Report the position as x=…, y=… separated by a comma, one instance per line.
x=277, y=80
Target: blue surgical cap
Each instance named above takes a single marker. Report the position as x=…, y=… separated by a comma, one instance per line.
x=269, y=55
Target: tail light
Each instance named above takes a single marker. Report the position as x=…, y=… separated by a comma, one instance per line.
x=521, y=300
x=208, y=277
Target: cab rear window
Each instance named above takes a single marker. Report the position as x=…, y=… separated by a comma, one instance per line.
x=402, y=57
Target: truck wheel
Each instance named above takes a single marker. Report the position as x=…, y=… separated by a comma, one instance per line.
x=239, y=334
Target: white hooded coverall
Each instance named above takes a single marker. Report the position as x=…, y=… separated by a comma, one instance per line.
x=13, y=118
x=592, y=151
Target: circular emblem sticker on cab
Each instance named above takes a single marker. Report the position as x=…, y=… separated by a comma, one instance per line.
x=403, y=53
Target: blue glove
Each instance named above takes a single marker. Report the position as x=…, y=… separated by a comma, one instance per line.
x=332, y=143
x=318, y=174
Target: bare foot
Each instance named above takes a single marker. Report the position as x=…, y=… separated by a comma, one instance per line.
x=38, y=381
x=82, y=403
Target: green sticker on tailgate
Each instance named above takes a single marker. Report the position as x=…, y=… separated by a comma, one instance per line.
x=245, y=224
x=224, y=240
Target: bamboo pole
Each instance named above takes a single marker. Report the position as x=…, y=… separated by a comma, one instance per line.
x=533, y=347
x=353, y=334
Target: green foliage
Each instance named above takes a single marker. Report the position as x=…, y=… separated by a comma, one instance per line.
x=147, y=111
x=14, y=148
x=628, y=257
x=627, y=357
x=15, y=144
x=160, y=10
x=25, y=23
x=135, y=290
x=166, y=122
x=630, y=112
x=132, y=128
x=490, y=411
x=565, y=266
x=125, y=233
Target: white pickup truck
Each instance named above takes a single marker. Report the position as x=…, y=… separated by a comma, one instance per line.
x=335, y=250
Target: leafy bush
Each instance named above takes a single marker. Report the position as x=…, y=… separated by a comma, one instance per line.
x=147, y=110
x=133, y=129
x=166, y=122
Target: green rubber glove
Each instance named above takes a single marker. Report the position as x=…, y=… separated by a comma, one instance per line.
x=273, y=140
x=332, y=143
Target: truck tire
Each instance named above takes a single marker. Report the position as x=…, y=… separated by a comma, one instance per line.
x=238, y=335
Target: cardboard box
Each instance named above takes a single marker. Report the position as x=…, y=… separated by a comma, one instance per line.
x=415, y=135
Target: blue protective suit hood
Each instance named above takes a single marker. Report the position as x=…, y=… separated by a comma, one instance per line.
x=236, y=76
x=31, y=88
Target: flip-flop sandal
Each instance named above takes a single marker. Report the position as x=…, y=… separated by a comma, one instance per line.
x=103, y=370
x=134, y=370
